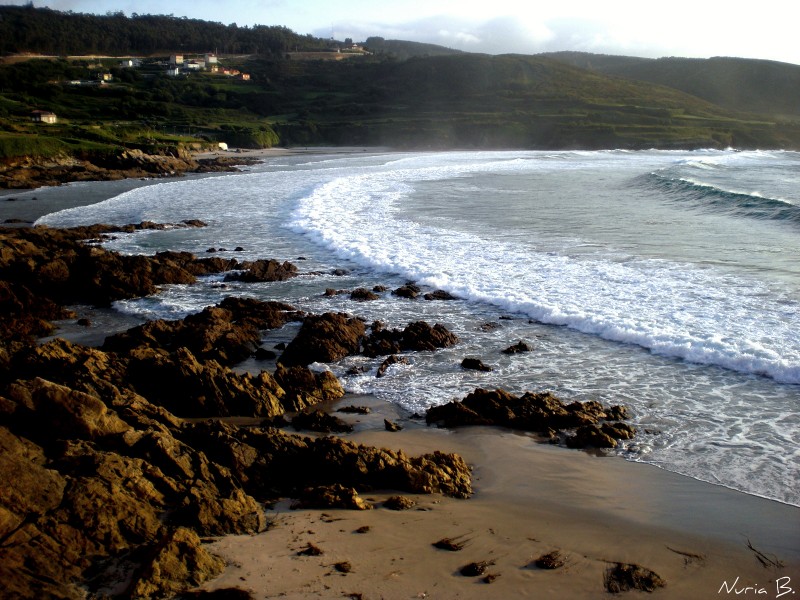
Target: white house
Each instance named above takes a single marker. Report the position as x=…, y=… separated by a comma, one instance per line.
x=44, y=116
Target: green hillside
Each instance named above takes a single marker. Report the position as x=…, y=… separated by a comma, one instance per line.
x=747, y=85
x=436, y=98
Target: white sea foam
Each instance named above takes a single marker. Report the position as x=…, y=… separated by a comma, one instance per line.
x=673, y=309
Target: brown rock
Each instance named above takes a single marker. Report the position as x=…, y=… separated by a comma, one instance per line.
x=324, y=338
x=332, y=496
x=517, y=348
x=399, y=503
x=474, y=364
x=363, y=295
x=177, y=562
x=264, y=271
x=392, y=360
x=304, y=388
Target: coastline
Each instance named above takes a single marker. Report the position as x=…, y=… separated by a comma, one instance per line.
x=21, y=207
x=530, y=499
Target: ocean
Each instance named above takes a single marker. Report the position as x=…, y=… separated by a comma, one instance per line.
x=667, y=281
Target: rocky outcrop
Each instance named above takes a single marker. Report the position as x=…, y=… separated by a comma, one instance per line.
x=104, y=488
x=27, y=172
x=538, y=412
x=263, y=271
x=227, y=333
x=417, y=336
x=324, y=338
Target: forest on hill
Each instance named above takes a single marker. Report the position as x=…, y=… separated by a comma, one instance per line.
x=394, y=93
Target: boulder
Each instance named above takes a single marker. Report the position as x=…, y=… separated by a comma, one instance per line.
x=363, y=295
x=439, y=295
x=538, y=412
x=332, y=496
x=176, y=562
x=263, y=271
x=408, y=290
x=417, y=336
x=324, y=338
x=304, y=388
x=474, y=364
x=517, y=348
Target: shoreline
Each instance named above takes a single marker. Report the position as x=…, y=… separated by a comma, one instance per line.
x=22, y=207
x=529, y=499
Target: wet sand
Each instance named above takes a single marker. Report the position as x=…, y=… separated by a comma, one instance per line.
x=530, y=499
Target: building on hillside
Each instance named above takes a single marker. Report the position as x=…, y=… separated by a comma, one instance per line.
x=210, y=59
x=176, y=59
x=131, y=63
x=103, y=76
x=194, y=65
x=244, y=76
x=44, y=116
x=173, y=71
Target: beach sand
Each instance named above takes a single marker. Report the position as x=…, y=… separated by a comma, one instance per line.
x=530, y=499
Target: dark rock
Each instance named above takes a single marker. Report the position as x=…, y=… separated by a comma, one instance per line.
x=540, y=412
x=358, y=410
x=490, y=577
x=392, y=360
x=416, y=336
x=176, y=562
x=363, y=295
x=624, y=577
x=409, y=291
x=321, y=422
x=310, y=550
x=551, y=560
x=490, y=326
x=439, y=295
x=517, y=348
x=399, y=503
x=324, y=338
x=264, y=354
x=590, y=436
x=450, y=544
x=379, y=289
x=303, y=388
x=618, y=431
x=340, y=272
x=238, y=249
x=343, y=567
x=389, y=426
x=474, y=364
x=227, y=333
x=84, y=322
x=363, y=529
x=263, y=271
x=475, y=569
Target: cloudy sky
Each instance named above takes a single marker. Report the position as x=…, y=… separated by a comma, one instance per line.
x=693, y=28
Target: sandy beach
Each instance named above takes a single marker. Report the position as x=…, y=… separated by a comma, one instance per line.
x=531, y=499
